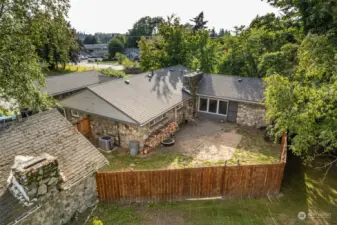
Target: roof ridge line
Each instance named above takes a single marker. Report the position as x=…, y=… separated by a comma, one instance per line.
x=113, y=104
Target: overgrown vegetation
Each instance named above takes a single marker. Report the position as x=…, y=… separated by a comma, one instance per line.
x=112, y=73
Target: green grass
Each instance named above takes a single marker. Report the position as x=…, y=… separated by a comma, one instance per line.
x=302, y=190
x=157, y=160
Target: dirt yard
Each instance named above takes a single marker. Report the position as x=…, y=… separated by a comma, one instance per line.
x=207, y=140
x=202, y=143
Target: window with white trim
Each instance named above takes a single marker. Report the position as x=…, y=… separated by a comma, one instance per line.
x=74, y=113
x=203, y=104
x=214, y=106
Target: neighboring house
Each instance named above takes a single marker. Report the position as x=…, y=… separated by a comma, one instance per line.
x=62, y=86
x=47, y=171
x=97, y=50
x=132, y=53
x=135, y=108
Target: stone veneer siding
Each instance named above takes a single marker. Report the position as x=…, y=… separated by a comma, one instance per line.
x=252, y=115
x=124, y=133
x=61, y=208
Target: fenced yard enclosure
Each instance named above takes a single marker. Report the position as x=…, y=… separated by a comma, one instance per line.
x=181, y=184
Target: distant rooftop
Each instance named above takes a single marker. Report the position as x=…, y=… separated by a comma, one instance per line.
x=74, y=81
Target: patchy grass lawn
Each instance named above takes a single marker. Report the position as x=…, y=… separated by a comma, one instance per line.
x=252, y=149
x=122, y=160
x=302, y=191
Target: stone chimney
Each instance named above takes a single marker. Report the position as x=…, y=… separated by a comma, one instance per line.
x=191, y=80
x=34, y=179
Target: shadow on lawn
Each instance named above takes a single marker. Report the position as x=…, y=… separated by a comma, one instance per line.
x=303, y=186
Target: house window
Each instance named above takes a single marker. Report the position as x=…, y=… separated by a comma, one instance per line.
x=212, y=105
x=74, y=113
x=223, y=107
x=203, y=104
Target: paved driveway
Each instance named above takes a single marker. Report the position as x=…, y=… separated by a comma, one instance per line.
x=207, y=140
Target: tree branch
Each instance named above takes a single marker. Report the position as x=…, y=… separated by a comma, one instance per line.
x=326, y=172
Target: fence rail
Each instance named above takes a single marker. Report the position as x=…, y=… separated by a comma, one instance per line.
x=181, y=184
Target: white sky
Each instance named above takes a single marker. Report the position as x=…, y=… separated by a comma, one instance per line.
x=112, y=16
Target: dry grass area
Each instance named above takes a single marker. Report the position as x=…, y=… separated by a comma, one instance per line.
x=68, y=69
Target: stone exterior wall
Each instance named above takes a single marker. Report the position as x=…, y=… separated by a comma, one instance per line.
x=61, y=208
x=124, y=133
x=252, y=115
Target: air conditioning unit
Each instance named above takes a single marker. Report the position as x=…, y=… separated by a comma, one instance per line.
x=106, y=142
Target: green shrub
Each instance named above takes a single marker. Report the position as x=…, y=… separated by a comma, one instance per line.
x=112, y=73
x=90, y=61
x=120, y=57
x=127, y=63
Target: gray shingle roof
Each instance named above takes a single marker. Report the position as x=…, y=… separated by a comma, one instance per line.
x=248, y=89
x=89, y=102
x=56, y=85
x=46, y=132
x=141, y=100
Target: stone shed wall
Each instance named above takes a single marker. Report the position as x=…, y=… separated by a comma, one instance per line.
x=62, y=207
x=252, y=115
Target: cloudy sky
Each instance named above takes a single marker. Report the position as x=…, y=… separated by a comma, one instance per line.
x=111, y=16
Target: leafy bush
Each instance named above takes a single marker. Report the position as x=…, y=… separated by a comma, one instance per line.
x=112, y=73
x=90, y=61
x=120, y=57
x=127, y=63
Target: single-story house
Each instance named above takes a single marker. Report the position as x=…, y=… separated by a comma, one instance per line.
x=139, y=106
x=47, y=171
x=96, y=50
x=62, y=86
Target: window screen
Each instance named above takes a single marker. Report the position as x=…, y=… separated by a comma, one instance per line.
x=223, y=107
x=213, y=104
x=203, y=104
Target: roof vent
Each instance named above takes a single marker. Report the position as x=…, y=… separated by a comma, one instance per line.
x=240, y=80
x=127, y=81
